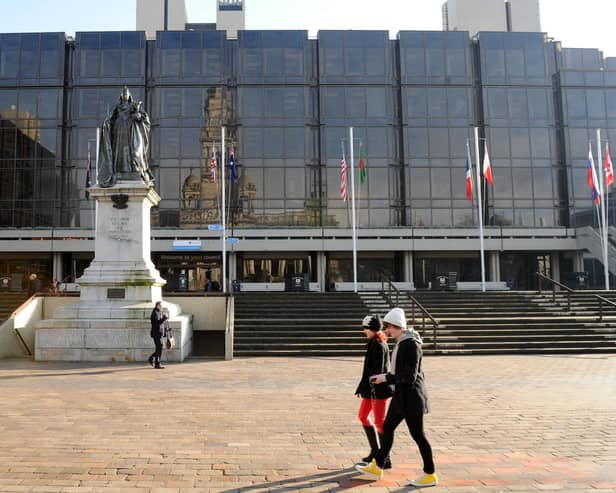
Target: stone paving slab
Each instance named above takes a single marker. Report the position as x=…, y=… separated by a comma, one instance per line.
x=498, y=424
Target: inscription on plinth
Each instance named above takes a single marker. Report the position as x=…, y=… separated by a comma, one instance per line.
x=120, y=228
x=116, y=293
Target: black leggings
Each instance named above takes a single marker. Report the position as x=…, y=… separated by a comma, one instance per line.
x=158, y=344
x=414, y=421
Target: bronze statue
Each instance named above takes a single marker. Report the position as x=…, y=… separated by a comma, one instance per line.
x=124, y=145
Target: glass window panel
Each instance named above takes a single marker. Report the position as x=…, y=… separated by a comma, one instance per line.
x=542, y=182
x=28, y=103
x=272, y=61
x=440, y=182
x=439, y=142
x=273, y=102
x=294, y=141
x=212, y=62
x=417, y=103
x=576, y=103
x=497, y=103
x=441, y=218
x=250, y=102
x=375, y=61
x=494, y=64
x=377, y=102
x=457, y=103
x=417, y=142
x=502, y=182
x=48, y=104
x=356, y=102
x=437, y=102
x=9, y=56
x=191, y=142
x=375, y=142
x=333, y=101
x=251, y=61
x=595, y=102
x=436, y=62
x=333, y=61
x=29, y=55
x=273, y=138
x=420, y=183
x=273, y=183
x=169, y=142
x=293, y=102
x=192, y=102
x=522, y=183
x=252, y=142
x=169, y=184
x=171, y=102
x=191, y=62
x=538, y=104
x=518, y=104
x=295, y=183
x=457, y=143
x=354, y=63
x=415, y=63
x=293, y=59
x=111, y=62
x=540, y=142
x=520, y=145
x=456, y=62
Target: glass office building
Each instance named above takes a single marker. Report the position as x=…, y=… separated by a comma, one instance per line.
x=287, y=102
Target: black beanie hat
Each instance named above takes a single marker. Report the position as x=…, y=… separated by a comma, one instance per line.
x=372, y=322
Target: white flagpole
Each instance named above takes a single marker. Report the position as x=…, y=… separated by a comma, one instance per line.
x=224, y=229
x=479, y=208
x=602, y=186
x=353, y=212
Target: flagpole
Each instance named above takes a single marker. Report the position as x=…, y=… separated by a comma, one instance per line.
x=224, y=223
x=98, y=141
x=359, y=188
x=353, y=212
x=479, y=207
x=602, y=185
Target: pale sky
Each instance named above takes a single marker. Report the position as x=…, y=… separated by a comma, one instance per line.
x=577, y=23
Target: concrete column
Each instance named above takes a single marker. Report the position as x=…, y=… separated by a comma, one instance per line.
x=494, y=263
x=408, y=267
x=232, y=268
x=321, y=269
x=578, y=261
x=56, y=267
x=555, y=264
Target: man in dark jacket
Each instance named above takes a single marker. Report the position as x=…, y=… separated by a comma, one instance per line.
x=157, y=332
x=410, y=399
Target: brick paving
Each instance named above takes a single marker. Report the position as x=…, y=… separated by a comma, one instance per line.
x=498, y=424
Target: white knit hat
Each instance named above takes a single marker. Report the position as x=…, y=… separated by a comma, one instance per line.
x=396, y=317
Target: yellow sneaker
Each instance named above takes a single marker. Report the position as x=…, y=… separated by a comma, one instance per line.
x=371, y=469
x=425, y=481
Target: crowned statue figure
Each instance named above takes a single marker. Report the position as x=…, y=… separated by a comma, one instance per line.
x=124, y=144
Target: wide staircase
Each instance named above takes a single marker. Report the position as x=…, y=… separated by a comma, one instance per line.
x=503, y=322
x=10, y=301
x=298, y=324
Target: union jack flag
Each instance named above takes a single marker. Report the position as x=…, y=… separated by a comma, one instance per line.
x=213, y=165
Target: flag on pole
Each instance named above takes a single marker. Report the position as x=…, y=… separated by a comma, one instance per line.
x=213, y=164
x=609, y=169
x=362, y=164
x=88, y=173
x=591, y=178
x=487, y=168
x=469, y=175
x=232, y=166
x=343, y=179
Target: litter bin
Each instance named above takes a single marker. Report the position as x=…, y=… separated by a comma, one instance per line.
x=296, y=282
x=440, y=281
x=236, y=285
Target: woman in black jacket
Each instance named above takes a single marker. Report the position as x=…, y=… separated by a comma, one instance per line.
x=157, y=332
x=374, y=397
x=410, y=399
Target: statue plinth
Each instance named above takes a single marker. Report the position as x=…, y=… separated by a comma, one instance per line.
x=111, y=321
x=122, y=255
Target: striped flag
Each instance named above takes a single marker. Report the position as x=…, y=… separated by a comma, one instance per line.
x=213, y=164
x=609, y=169
x=343, y=179
x=487, y=168
x=469, y=175
x=591, y=178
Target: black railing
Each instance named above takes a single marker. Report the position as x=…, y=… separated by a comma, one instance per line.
x=393, y=296
x=600, y=299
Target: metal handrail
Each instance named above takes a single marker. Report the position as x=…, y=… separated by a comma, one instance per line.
x=391, y=287
x=554, y=283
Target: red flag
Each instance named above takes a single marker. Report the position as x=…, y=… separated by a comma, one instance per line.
x=487, y=168
x=609, y=169
x=343, y=180
x=469, y=179
x=213, y=165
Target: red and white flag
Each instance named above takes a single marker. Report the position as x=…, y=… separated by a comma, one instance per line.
x=609, y=169
x=213, y=165
x=469, y=176
x=343, y=179
x=487, y=168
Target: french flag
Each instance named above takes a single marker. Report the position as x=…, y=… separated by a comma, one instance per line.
x=487, y=168
x=609, y=169
x=469, y=177
x=591, y=178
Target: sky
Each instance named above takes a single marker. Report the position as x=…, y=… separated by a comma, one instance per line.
x=576, y=23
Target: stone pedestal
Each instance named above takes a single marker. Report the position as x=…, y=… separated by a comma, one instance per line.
x=111, y=321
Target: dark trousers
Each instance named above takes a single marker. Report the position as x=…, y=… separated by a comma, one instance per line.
x=158, y=343
x=414, y=421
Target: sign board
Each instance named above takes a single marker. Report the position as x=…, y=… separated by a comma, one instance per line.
x=184, y=245
x=233, y=240
x=214, y=227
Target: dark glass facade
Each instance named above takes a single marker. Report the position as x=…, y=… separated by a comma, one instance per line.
x=287, y=103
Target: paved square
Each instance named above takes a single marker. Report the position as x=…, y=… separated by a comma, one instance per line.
x=498, y=423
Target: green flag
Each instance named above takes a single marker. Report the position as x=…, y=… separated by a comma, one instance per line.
x=362, y=165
